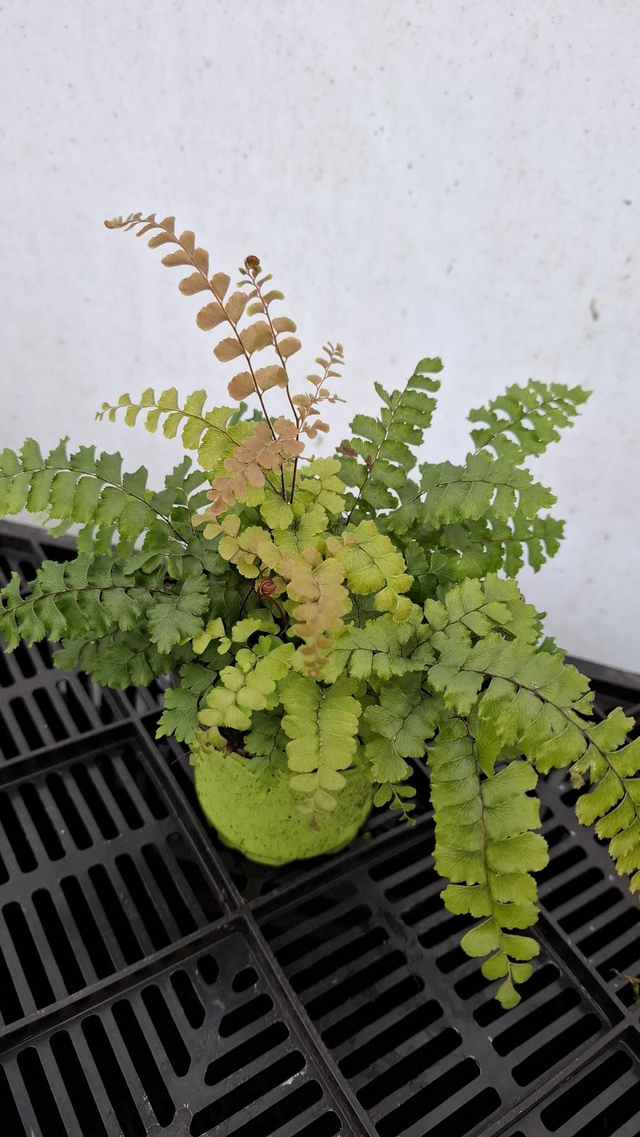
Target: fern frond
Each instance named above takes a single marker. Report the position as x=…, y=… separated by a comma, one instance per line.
x=212, y=433
x=247, y=685
x=485, y=846
x=373, y=564
x=320, y=601
x=480, y=607
x=254, y=337
x=116, y=659
x=321, y=724
x=320, y=485
x=264, y=450
x=398, y=728
x=378, y=457
x=537, y=705
x=449, y=494
x=73, y=599
x=84, y=489
x=307, y=405
x=487, y=545
x=381, y=649
x=525, y=420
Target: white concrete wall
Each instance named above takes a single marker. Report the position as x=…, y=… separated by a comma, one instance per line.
x=422, y=177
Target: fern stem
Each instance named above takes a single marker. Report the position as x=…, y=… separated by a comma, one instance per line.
x=333, y=360
x=258, y=288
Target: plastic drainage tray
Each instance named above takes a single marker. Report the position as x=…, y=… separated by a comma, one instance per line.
x=154, y=984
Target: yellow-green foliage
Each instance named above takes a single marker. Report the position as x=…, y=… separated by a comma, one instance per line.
x=327, y=612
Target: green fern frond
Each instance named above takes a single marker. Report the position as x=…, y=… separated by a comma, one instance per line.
x=116, y=659
x=611, y=765
x=381, y=649
x=479, y=607
x=525, y=420
x=485, y=845
x=377, y=459
x=449, y=494
x=321, y=724
x=246, y=685
x=398, y=727
x=80, y=488
x=72, y=599
x=373, y=564
x=88, y=597
x=487, y=545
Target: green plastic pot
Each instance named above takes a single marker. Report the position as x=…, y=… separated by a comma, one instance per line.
x=265, y=824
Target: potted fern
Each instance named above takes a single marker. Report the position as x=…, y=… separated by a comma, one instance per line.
x=330, y=618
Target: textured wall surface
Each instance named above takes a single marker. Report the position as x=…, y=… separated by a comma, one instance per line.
x=421, y=177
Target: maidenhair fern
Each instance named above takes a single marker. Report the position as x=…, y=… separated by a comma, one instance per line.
x=322, y=615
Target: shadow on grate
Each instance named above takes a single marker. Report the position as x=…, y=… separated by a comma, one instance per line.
x=209, y=1032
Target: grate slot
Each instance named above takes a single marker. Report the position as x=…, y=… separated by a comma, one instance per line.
x=555, y=1046
x=148, y=906
x=186, y=995
x=364, y=980
x=28, y=727
x=8, y=745
x=386, y=1006
x=111, y=1074
x=58, y=941
x=10, y=1005
x=42, y=832
x=116, y=915
x=446, y=1084
x=242, y=1098
x=166, y=1030
x=29, y=955
x=52, y=716
x=397, y=1037
x=242, y=1057
x=177, y=903
x=579, y=887
x=143, y=1061
x=12, y=1124
x=88, y=928
x=39, y=1090
x=106, y=826
x=245, y=1015
x=412, y=1061
x=599, y=1103
x=356, y=949
x=17, y=853
x=77, y=1087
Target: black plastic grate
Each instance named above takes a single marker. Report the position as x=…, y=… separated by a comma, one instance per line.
x=97, y=873
x=154, y=984
x=203, y=1046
